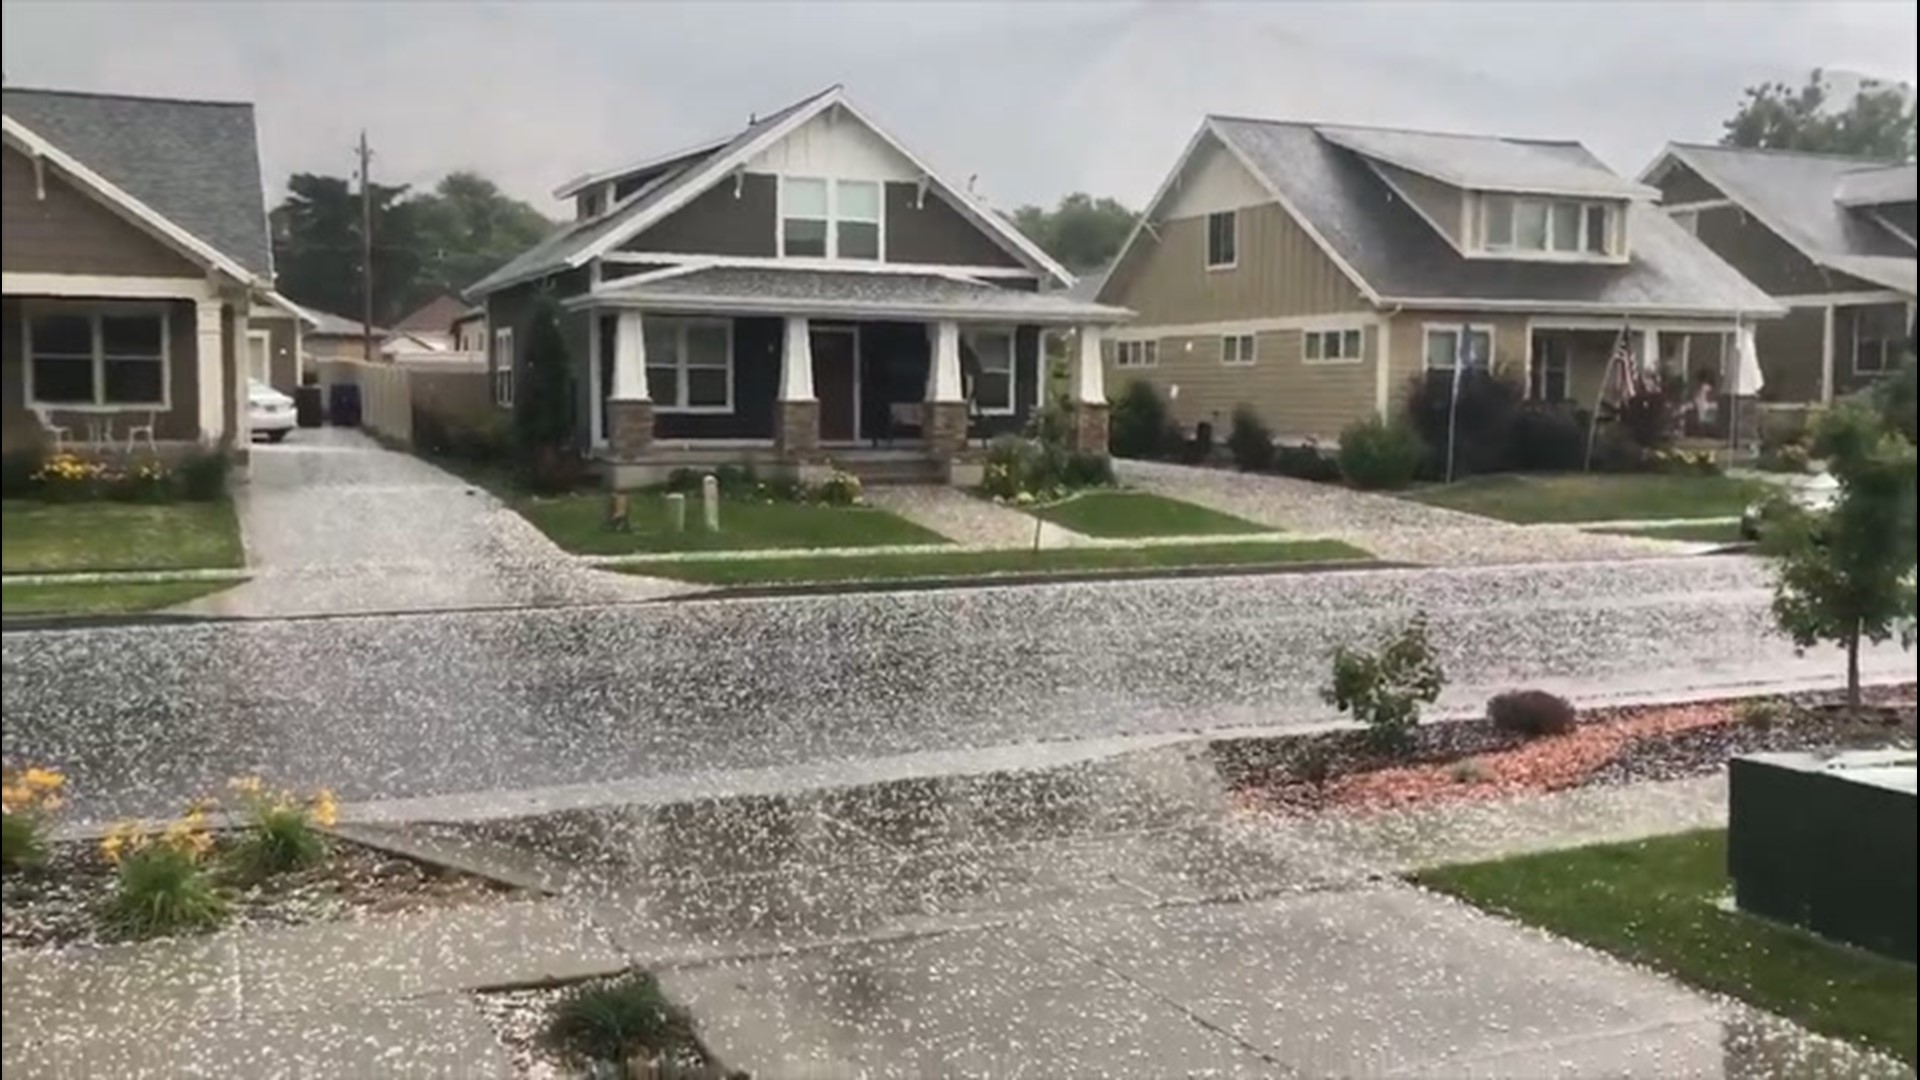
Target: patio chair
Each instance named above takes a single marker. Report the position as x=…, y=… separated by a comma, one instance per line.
x=143, y=430
x=59, y=433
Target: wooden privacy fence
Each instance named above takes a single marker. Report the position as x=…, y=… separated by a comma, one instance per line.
x=457, y=391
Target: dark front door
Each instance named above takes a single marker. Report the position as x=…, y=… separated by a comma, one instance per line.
x=835, y=383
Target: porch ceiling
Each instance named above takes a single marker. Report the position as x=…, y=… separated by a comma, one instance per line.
x=847, y=294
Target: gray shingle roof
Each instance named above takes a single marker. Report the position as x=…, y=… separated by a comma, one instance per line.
x=553, y=252
x=1402, y=258
x=1796, y=195
x=852, y=293
x=1488, y=163
x=1878, y=186
x=197, y=163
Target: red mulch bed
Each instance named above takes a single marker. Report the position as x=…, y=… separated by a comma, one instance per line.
x=1470, y=760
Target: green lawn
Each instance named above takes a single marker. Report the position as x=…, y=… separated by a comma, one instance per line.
x=53, y=538
x=1653, y=903
x=1723, y=533
x=104, y=597
x=987, y=564
x=1127, y=514
x=1574, y=497
x=577, y=523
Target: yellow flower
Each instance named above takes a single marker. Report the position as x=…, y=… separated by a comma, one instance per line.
x=326, y=810
x=38, y=779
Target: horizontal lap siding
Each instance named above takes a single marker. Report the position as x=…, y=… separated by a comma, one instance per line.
x=70, y=232
x=1409, y=357
x=1295, y=398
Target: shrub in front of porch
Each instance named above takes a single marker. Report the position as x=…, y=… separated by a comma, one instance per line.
x=1030, y=470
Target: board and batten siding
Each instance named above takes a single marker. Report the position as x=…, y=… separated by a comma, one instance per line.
x=1279, y=272
x=1296, y=398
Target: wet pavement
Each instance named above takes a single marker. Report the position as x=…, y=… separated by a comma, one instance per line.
x=690, y=693
x=1118, y=918
x=336, y=524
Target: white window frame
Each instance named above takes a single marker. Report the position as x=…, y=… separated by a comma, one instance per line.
x=971, y=336
x=1890, y=349
x=1239, y=350
x=1314, y=345
x=505, y=364
x=1460, y=330
x=1136, y=353
x=833, y=218
x=1548, y=252
x=679, y=328
x=1549, y=354
x=93, y=313
x=1233, y=233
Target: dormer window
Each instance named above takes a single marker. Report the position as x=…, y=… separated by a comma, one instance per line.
x=830, y=219
x=1529, y=226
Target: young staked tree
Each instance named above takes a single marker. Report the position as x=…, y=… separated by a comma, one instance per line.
x=1846, y=576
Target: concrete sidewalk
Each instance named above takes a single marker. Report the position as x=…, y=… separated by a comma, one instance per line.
x=1116, y=918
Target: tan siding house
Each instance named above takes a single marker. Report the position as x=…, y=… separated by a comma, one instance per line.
x=1312, y=273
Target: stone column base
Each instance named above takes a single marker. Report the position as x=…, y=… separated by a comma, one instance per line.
x=796, y=429
x=629, y=429
x=1090, y=427
x=946, y=423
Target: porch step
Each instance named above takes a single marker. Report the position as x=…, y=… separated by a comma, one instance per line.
x=890, y=471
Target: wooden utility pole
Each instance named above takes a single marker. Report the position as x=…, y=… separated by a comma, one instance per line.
x=366, y=250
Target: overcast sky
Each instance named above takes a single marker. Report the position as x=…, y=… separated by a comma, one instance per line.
x=1034, y=98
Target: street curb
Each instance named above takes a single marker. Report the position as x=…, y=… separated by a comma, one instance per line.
x=989, y=581
x=131, y=620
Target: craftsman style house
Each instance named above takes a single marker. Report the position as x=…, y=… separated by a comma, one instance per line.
x=802, y=289
x=1313, y=271
x=137, y=271
x=1830, y=238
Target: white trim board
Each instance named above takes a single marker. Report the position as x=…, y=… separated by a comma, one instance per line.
x=1338, y=321
x=1525, y=307
x=713, y=171
x=123, y=203
x=134, y=288
x=856, y=266
x=1844, y=299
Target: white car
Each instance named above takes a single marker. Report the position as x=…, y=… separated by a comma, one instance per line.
x=1815, y=494
x=269, y=412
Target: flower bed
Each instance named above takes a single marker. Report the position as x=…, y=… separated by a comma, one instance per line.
x=1471, y=760
x=58, y=903
x=275, y=865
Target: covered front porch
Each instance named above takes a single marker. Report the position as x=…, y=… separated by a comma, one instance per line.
x=1570, y=362
x=94, y=365
x=889, y=372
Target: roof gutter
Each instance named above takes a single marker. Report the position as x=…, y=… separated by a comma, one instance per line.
x=1585, y=307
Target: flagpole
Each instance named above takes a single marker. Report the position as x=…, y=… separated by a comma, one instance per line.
x=1461, y=355
x=1600, y=395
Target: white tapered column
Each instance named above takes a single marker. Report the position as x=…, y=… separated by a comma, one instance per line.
x=629, y=407
x=1089, y=372
x=943, y=374
x=796, y=361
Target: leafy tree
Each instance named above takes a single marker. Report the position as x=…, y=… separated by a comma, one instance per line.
x=467, y=227
x=424, y=244
x=1386, y=688
x=1846, y=576
x=1082, y=232
x=1896, y=399
x=317, y=247
x=1877, y=123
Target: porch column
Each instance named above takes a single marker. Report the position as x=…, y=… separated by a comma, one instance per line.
x=629, y=410
x=210, y=399
x=1089, y=394
x=796, y=416
x=946, y=419
x=1826, y=354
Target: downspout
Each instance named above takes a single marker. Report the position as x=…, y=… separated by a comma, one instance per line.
x=1383, y=366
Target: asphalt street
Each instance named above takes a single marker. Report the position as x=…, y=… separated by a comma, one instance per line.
x=389, y=706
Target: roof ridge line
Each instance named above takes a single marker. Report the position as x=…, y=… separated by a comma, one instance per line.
x=1316, y=125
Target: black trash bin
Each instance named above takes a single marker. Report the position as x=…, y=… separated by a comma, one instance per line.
x=343, y=405
x=307, y=406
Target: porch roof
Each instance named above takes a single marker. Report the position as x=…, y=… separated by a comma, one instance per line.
x=846, y=294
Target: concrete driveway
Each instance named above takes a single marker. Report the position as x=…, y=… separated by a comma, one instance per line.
x=336, y=524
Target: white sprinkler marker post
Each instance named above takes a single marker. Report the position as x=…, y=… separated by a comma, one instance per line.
x=677, y=511
x=710, y=502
